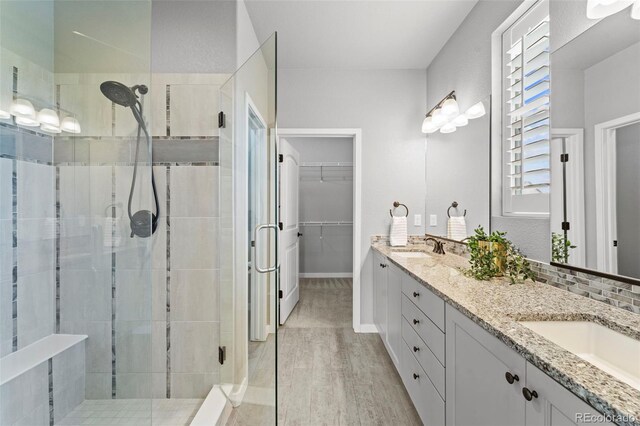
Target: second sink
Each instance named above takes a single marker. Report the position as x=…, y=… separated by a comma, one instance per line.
x=612, y=352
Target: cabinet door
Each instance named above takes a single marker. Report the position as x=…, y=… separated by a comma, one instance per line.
x=380, y=294
x=394, y=313
x=477, y=391
x=554, y=404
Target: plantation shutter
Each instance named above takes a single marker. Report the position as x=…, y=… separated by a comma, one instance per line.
x=526, y=141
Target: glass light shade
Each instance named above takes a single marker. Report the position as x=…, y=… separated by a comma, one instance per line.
x=450, y=108
x=460, y=121
x=49, y=117
x=438, y=117
x=49, y=128
x=27, y=122
x=70, y=125
x=475, y=111
x=598, y=9
x=23, y=108
x=4, y=115
x=635, y=10
x=428, y=126
x=448, y=128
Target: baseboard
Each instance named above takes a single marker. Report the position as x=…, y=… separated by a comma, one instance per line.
x=326, y=275
x=368, y=328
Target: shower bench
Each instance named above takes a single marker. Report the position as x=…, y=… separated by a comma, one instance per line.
x=43, y=381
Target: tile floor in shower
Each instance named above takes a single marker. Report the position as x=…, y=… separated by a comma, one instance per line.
x=133, y=412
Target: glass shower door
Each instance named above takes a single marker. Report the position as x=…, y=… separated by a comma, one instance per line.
x=249, y=231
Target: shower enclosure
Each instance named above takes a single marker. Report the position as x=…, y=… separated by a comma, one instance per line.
x=123, y=220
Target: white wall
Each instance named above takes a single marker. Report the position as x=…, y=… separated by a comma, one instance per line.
x=246, y=39
x=388, y=105
x=193, y=36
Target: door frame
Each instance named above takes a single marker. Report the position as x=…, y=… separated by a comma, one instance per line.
x=258, y=320
x=356, y=135
x=606, y=227
x=574, y=196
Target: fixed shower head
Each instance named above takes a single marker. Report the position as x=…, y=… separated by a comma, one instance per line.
x=121, y=94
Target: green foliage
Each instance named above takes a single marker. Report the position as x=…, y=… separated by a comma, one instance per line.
x=560, y=246
x=481, y=260
x=487, y=252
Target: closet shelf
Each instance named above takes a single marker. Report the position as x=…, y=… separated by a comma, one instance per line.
x=327, y=164
x=327, y=223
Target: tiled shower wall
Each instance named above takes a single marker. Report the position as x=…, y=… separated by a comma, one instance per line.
x=27, y=227
x=159, y=331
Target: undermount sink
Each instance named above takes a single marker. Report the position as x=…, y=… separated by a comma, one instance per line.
x=612, y=352
x=411, y=254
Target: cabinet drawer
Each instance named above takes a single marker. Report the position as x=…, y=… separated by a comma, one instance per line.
x=424, y=299
x=427, y=330
x=425, y=357
x=424, y=395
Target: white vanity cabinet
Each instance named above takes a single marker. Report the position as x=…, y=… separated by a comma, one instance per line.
x=387, y=285
x=456, y=372
x=380, y=294
x=555, y=405
x=394, y=313
x=478, y=392
x=490, y=384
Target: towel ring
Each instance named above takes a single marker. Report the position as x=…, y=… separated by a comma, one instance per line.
x=455, y=206
x=108, y=212
x=397, y=204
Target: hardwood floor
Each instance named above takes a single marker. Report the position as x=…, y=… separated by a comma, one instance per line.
x=327, y=374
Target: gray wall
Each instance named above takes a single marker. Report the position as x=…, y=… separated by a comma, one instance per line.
x=628, y=198
x=330, y=249
x=457, y=171
x=615, y=79
x=464, y=64
x=388, y=105
x=193, y=36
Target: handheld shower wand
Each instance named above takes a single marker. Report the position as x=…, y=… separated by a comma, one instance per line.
x=143, y=222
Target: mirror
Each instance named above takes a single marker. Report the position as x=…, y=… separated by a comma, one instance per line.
x=595, y=117
x=458, y=161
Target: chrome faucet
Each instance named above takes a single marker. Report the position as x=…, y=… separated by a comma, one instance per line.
x=438, y=246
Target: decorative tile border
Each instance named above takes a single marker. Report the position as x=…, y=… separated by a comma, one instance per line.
x=14, y=273
x=113, y=283
x=51, y=414
x=168, y=281
x=615, y=293
x=57, y=259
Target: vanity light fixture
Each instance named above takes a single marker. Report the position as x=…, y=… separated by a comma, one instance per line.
x=448, y=128
x=22, y=108
x=476, y=111
x=460, y=121
x=635, y=10
x=446, y=116
x=598, y=9
x=70, y=125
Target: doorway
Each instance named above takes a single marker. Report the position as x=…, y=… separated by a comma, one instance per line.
x=334, y=164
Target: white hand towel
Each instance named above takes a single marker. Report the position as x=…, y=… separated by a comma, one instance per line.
x=398, y=234
x=457, y=228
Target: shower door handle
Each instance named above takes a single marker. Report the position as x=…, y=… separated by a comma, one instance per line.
x=256, y=232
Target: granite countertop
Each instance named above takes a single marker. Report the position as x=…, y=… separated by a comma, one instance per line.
x=497, y=306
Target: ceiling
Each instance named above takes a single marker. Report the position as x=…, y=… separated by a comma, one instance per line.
x=381, y=34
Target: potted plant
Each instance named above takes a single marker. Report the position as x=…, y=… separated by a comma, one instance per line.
x=494, y=256
x=560, y=246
